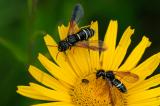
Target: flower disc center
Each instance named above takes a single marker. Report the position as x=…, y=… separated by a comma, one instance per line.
x=90, y=91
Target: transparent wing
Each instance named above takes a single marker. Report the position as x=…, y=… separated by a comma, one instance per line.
x=127, y=76
x=77, y=14
x=96, y=45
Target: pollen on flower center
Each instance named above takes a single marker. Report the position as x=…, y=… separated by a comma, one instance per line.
x=90, y=91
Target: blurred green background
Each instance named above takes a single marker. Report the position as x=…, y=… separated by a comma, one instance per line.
x=22, y=23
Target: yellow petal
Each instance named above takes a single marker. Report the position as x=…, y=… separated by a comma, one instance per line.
x=31, y=93
x=78, y=57
x=55, y=104
x=75, y=55
x=144, y=69
x=147, y=94
x=94, y=26
x=122, y=48
x=152, y=103
x=94, y=55
x=61, y=59
x=56, y=95
x=53, y=50
x=146, y=84
x=65, y=74
x=155, y=101
x=63, y=31
x=136, y=55
x=110, y=42
x=148, y=66
x=46, y=79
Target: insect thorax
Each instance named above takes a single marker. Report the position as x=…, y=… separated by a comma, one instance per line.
x=110, y=75
x=72, y=39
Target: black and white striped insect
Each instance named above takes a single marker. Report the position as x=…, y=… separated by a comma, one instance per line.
x=110, y=76
x=71, y=40
x=80, y=38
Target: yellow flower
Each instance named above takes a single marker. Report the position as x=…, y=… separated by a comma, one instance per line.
x=72, y=79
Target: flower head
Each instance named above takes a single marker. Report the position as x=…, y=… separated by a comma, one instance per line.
x=72, y=80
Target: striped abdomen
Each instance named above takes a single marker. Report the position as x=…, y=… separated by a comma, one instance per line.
x=119, y=85
x=84, y=34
